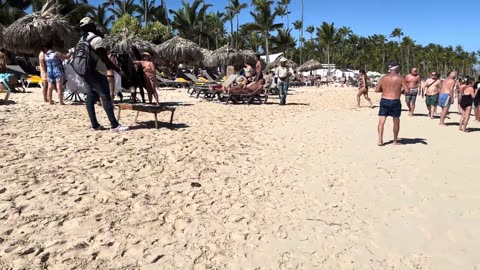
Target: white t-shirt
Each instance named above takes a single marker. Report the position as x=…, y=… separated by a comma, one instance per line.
x=96, y=43
x=282, y=73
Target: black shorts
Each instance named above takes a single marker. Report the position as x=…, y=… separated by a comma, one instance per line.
x=390, y=107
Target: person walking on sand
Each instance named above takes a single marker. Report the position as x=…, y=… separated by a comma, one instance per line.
x=391, y=86
x=430, y=92
x=446, y=97
x=363, y=87
x=97, y=79
x=413, y=81
x=283, y=75
x=468, y=95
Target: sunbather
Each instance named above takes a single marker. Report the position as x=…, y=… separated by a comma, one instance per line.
x=42, y=67
x=253, y=87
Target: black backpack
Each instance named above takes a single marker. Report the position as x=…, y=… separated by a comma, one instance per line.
x=84, y=58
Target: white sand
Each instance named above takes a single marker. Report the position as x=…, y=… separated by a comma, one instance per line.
x=302, y=186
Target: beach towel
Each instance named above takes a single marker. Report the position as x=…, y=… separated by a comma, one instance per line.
x=5, y=78
x=75, y=83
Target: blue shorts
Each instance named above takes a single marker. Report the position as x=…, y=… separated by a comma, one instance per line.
x=390, y=107
x=444, y=100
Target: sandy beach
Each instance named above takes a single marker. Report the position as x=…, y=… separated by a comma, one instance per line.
x=302, y=186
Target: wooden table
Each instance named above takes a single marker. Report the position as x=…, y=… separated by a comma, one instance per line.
x=139, y=107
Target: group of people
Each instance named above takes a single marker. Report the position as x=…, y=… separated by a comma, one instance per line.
x=436, y=92
x=101, y=81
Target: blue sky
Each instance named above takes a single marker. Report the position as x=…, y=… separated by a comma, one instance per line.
x=425, y=21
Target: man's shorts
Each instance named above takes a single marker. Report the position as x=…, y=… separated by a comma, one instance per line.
x=431, y=100
x=412, y=96
x=444, y=100
x=390, y=107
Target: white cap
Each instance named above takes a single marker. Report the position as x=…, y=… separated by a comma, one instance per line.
x=86, y=21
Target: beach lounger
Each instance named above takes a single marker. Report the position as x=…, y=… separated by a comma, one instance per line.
x=21, y=76
x=166, y=82
x=146, y=108
x=211, y=91
x=197, y=81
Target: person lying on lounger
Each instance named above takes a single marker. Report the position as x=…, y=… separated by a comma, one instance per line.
x=252, y=87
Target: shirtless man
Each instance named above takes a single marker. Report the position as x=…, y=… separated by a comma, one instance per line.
x=391, y=87
x=446, y=96
x=413, y=81
x=431, y=90
x=258, y=69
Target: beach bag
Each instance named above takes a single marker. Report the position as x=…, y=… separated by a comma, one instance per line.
x=82, y=61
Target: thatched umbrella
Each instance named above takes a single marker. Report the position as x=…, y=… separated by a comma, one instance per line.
x=225, y=56
x=309, y=65
x=179, y=50
x=122, y=43
x=289, y=62
x=29, y=33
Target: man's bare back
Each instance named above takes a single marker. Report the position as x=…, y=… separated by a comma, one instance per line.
x=391, y=86
x=448, y=84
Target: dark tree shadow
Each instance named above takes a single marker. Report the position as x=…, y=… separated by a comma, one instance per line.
x=407, y=141
x=151, y=125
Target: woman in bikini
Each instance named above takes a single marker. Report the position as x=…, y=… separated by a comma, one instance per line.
x=363, y=88
x=150, y=79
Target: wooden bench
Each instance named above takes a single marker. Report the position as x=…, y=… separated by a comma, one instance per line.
x=146, y=108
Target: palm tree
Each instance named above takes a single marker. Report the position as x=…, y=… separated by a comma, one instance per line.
x=159, y=13
x=100, y=16
x=188, y=20
x=123, y=7
x=284, y=41
x=284, y=4
x=145, y=9
x=328, y=37
x=397, y=32
x=264, y=22
x=235, y=8
x=229, y=16
x=298, y=25
x=215, y=22
x=310, y=29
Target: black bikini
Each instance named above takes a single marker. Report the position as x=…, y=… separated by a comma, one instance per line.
x=466, y=101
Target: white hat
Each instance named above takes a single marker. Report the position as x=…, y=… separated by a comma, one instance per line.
x=86, y=21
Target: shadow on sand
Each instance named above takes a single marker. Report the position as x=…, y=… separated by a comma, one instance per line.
x=151, y=125
x=7, y=102
x=405, y=141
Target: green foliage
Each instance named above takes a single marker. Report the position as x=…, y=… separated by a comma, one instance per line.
x=155, y=32
x=126, y=25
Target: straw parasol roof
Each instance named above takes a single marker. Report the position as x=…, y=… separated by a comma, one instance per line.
x=29, y=33
x=309, y=65
x=289, y=62
x=122, y=43
x=180, y=50
x=225, y=56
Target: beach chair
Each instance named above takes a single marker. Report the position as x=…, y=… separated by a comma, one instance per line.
x=21, y=76
x=197, y=81
x=166, y=82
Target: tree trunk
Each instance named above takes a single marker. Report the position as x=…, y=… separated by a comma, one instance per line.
x=231, y=32
x=266, y=49
x=301, y=39
x=328, y=61
x=236, y=35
